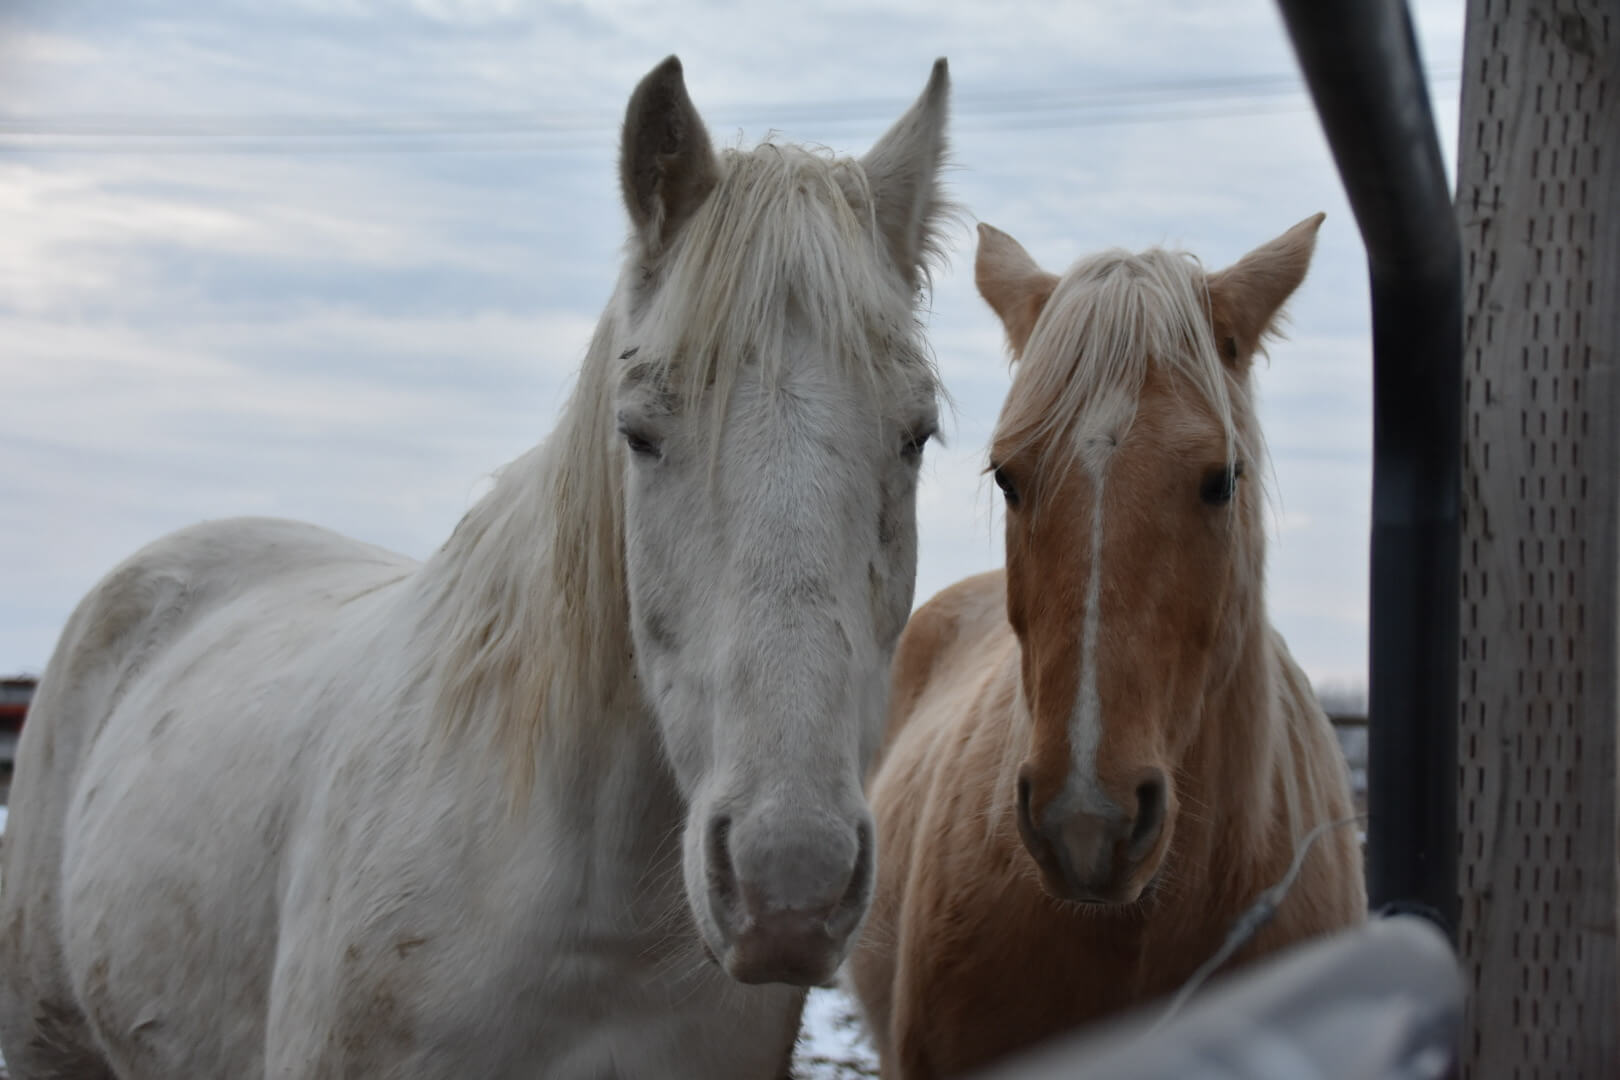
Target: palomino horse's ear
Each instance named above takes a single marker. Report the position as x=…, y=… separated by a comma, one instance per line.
x=666, y=164
x=1011, y=282
x=1245, y=297
x=902, y=169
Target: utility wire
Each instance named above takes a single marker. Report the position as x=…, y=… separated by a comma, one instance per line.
x=532, y=131
x=1248, y=924
x=487, y=121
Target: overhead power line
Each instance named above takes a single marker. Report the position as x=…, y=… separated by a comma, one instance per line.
x=540, y=130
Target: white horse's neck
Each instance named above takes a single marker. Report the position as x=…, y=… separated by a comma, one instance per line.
x=526, y=626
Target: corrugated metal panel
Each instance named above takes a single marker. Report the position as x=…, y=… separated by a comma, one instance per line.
x=1538, y=199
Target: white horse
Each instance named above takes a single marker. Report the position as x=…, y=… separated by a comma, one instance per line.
x=581, y=795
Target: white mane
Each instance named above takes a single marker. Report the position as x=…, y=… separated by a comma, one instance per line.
x=788, y=238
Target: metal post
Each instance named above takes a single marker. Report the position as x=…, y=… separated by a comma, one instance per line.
x=1360, y=60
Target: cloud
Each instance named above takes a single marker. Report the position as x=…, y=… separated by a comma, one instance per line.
x=354, y=329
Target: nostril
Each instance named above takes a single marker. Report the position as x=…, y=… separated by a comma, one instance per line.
x=853, y=903
x=1150, y=800
x=722, y=878
x=1034, y=841
x=861, y=879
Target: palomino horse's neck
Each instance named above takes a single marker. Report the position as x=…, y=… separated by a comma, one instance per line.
x=526, y=631
x=1241, y=808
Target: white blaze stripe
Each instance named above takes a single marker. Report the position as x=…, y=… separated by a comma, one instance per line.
x=1085, y=723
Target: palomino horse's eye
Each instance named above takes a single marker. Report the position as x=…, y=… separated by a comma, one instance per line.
x=1005, y=485
x=1220, y=484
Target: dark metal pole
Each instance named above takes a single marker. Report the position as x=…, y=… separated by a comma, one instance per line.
x=1361, y=61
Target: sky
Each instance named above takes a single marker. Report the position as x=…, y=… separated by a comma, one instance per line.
x=338, y=260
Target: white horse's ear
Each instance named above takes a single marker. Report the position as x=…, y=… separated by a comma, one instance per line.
x=1012, y=283
x=1244, y=299
x=666, y=163
x=902, y=169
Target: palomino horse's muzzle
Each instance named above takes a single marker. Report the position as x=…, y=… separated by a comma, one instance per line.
x=1095, y=857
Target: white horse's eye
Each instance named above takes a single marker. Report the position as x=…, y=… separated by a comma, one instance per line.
x=640, y=443
x=912, y=448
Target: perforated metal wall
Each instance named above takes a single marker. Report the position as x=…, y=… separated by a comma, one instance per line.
x=1538, y=198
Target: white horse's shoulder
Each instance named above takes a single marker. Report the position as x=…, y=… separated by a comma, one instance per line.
x=246, y=551
x=160, y=589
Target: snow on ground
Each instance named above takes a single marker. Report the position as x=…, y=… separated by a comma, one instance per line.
x=833, y=1043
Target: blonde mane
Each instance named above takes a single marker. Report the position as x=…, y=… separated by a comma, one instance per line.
x=532, y=629
x=1108, y=321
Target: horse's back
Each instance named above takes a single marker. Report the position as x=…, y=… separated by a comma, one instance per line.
x=92, y=752
x=124, y=626
x=948, y=639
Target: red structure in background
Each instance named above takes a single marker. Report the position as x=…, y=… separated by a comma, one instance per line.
x=15, y=695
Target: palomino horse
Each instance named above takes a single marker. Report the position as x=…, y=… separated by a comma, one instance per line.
x=1098, y=758
x=292, y=806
